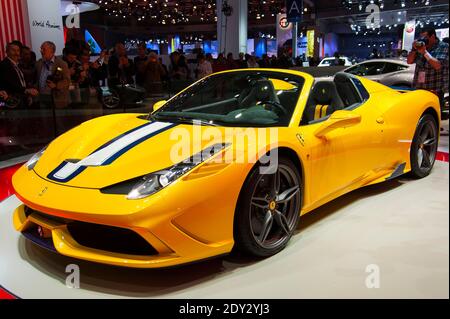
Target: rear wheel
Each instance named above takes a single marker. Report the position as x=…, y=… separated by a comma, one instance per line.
x=424, y=147
x=268, y=210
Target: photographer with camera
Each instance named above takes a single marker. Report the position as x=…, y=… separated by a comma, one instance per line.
x=99, y=69
x=120, y=68
x=12, y=79
x=54, y=78
x=431, y=58
x=75, y=69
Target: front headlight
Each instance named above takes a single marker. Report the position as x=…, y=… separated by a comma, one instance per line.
x=155, y=182
x=35, y=159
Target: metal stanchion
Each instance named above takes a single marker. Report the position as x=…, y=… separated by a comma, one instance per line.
x=294, y=41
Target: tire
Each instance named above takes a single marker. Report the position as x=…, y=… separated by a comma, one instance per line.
x=111, y=101
x=424, y=147
x=259, y=203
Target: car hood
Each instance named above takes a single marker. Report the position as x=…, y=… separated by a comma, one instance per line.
x=112, y=149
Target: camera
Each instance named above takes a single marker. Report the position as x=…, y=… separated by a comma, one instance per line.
x=78, y=68
x=422, y=42
x=56, y=76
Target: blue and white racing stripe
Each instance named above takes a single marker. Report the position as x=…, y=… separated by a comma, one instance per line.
x=109, y=152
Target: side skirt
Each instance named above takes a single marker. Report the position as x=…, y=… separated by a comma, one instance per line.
x=399, y=171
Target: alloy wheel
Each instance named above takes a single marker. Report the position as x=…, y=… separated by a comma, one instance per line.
x=274, y=207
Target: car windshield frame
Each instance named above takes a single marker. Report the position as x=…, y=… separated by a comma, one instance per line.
x=238, y=109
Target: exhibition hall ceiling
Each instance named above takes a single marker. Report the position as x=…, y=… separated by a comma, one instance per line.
x=172, y=12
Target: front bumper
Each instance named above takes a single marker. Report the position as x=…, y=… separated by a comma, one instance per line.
x=183, y=225
x=62, y=241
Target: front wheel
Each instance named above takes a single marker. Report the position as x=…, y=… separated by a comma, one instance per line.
x=112, y=100
x=268, y=210
x=424, y=147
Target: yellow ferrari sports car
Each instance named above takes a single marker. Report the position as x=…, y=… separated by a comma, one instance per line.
x=232, y=162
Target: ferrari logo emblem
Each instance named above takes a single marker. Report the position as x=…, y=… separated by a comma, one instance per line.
x=272, y=205
x=284, y=23
x=301, y=139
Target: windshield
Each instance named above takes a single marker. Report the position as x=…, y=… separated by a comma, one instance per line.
x=242, y=99
x=367, y=69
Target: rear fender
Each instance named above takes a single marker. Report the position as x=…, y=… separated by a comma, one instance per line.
x=401, y=113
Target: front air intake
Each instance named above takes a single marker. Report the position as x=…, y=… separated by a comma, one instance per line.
x=96, y=236
x=108, y=238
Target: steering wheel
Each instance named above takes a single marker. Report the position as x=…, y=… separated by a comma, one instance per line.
x=277, y=105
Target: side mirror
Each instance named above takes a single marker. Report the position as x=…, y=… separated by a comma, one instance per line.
x=339, y=119
x=158, y=105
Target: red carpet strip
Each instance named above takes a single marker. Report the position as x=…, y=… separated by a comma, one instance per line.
x=5, y=295
x=442, y=156
x=6, y=174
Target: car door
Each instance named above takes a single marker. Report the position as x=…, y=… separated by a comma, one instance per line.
x=346, y=157
x=396, y=74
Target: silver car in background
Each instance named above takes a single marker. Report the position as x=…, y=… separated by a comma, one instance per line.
x=395, y=73
x=390, y=72
x=343, y=60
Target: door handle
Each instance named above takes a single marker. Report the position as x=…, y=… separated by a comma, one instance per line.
x=380, y=120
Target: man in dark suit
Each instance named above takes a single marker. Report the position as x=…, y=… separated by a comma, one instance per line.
x=53, y=77
x=12, y=79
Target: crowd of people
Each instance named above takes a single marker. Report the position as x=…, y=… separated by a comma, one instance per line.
x=74, y=78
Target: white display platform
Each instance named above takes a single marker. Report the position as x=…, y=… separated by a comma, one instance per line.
x=401, y=226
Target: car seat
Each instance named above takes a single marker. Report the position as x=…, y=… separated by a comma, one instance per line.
x=260, y=91
x=324, y=100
